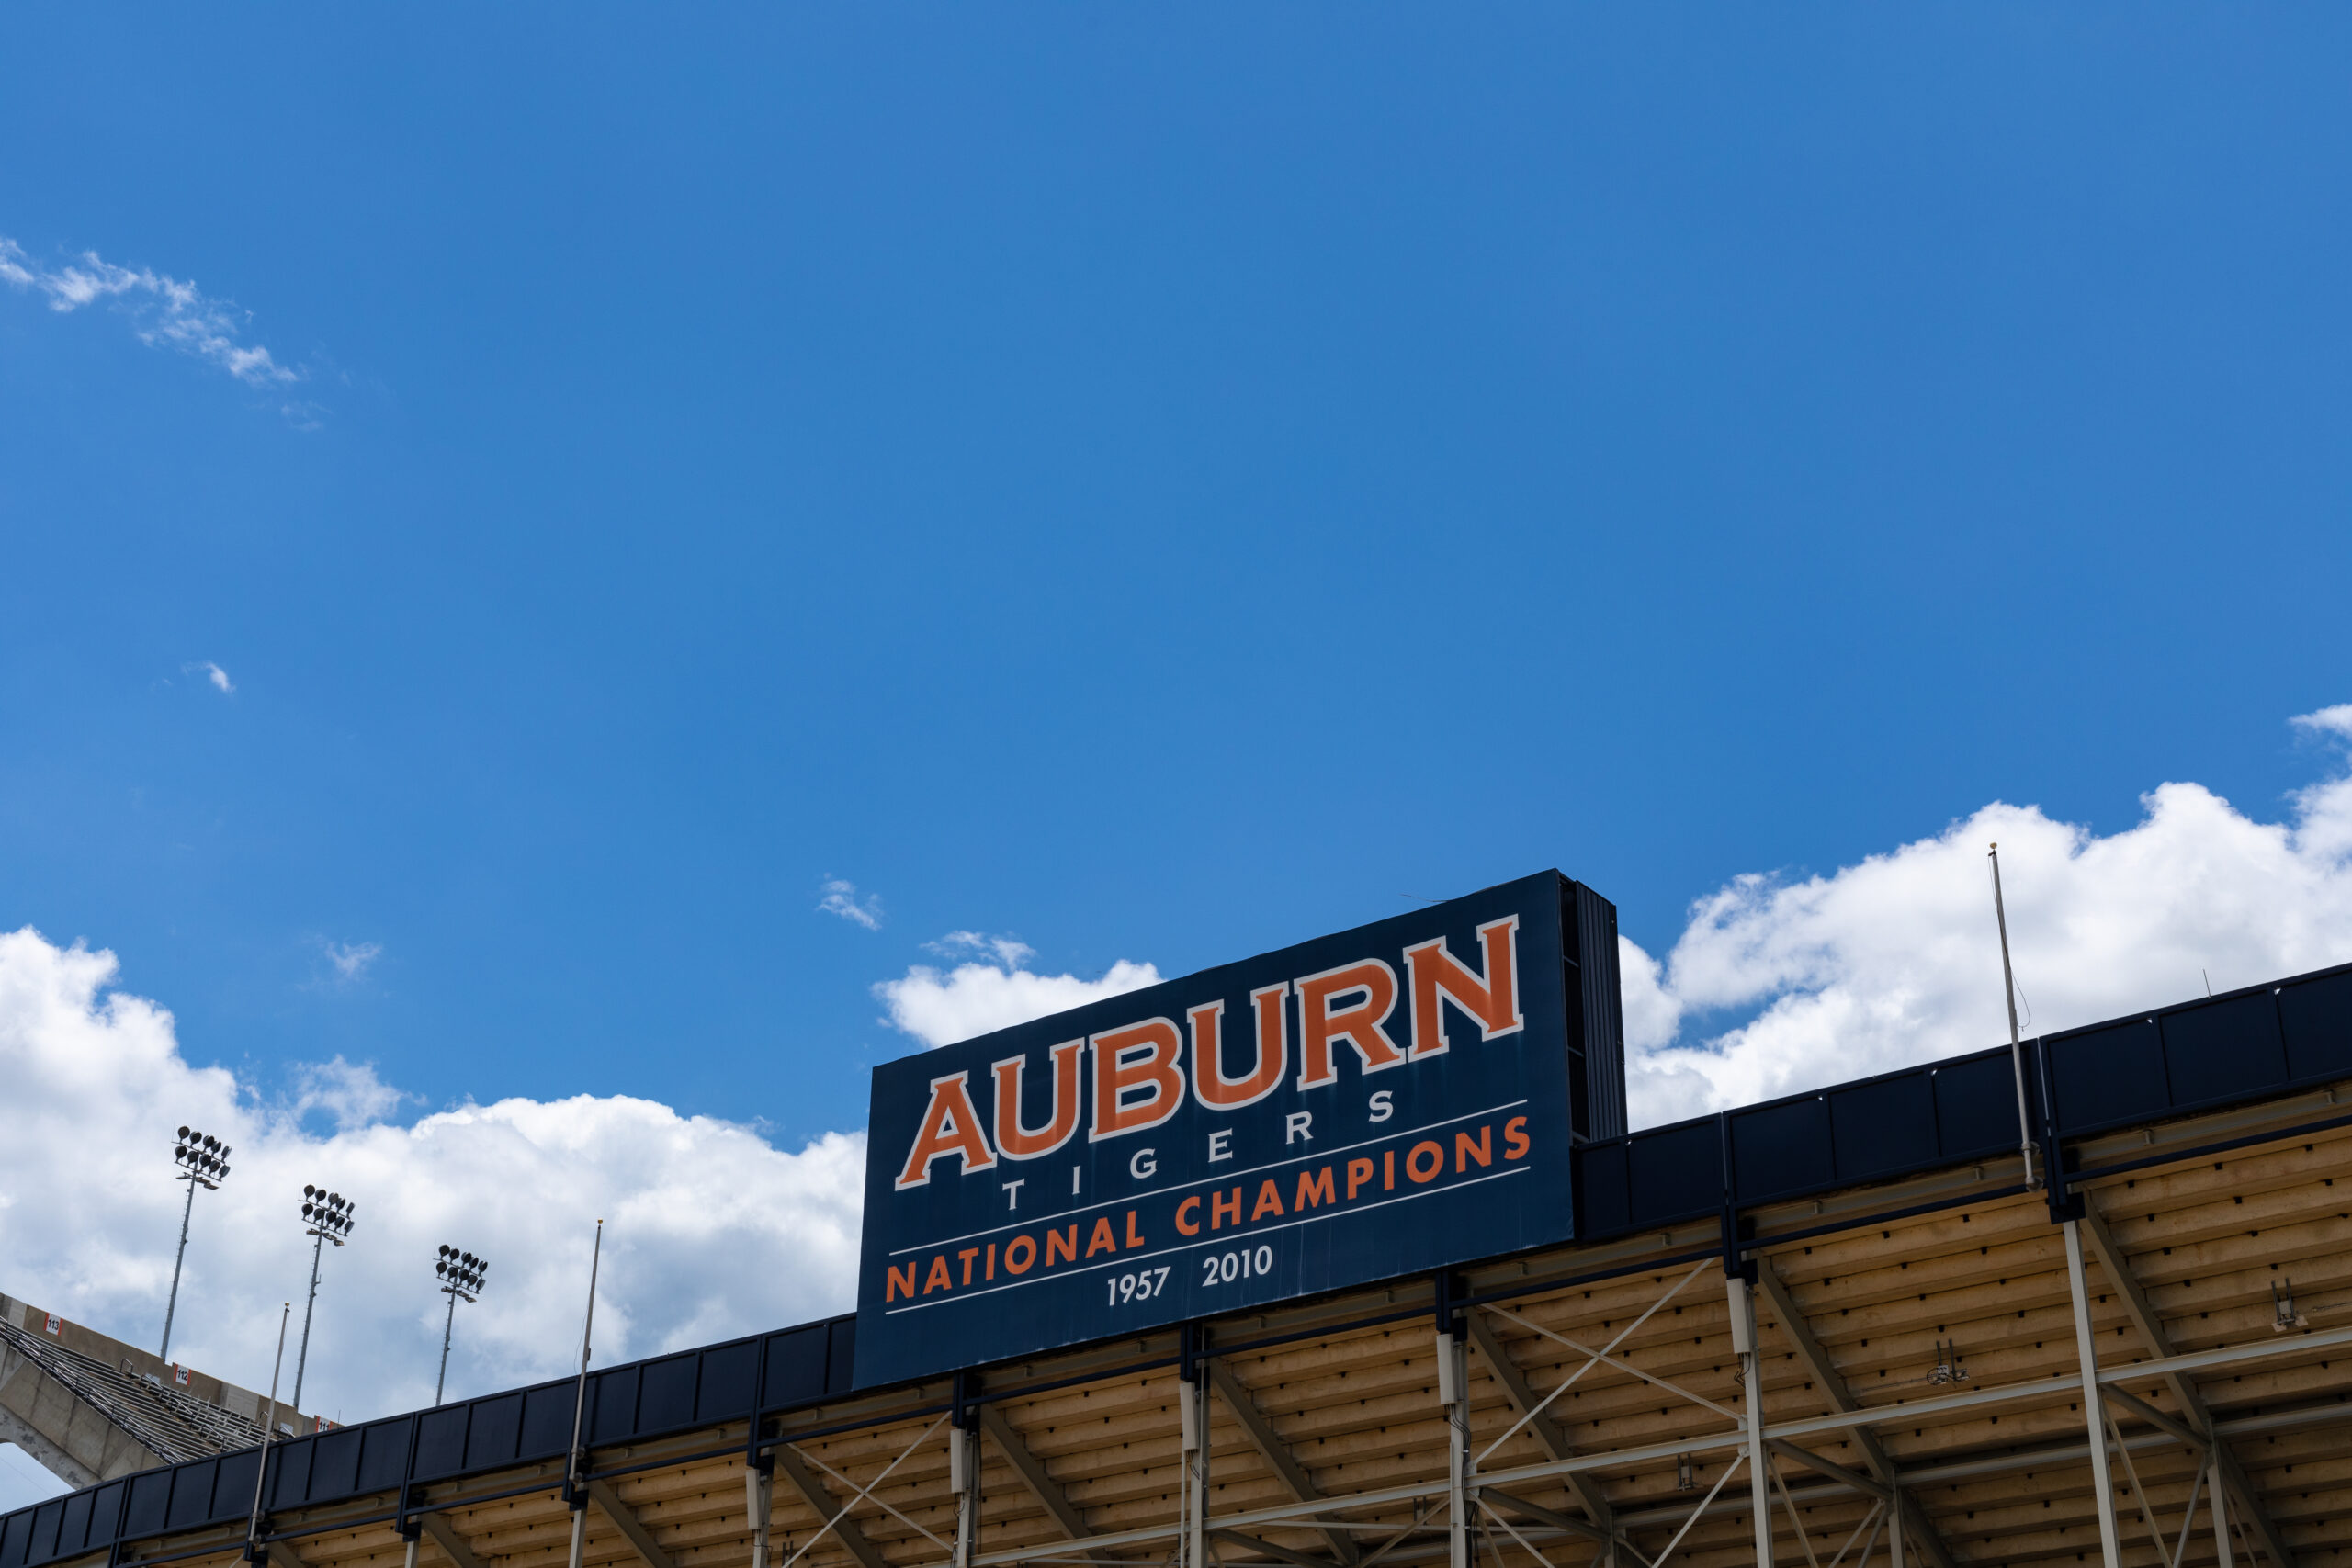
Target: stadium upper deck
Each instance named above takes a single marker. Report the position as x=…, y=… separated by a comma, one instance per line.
x=1923, y=1324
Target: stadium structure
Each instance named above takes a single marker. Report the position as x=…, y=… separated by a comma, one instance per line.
x=1857, y=1323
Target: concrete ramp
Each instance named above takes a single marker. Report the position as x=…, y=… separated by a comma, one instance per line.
x=89, y=1408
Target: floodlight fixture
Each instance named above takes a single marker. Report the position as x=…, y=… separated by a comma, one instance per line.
x=202, y=1161
x=460, y=1275
x=326, y=1217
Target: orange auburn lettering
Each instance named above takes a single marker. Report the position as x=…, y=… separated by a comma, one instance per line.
x=1435, y=976
x=1358, y=1025
x=1119, y=1069
x=898, y=1287
x=1193, y=1206
x=950, y=1126
x=1315, y=1186
x=1515, y=1140
x=1063, y=1244
x=1015, y=1141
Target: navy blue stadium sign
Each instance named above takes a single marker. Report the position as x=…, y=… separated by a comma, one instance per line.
x=1389, y=1099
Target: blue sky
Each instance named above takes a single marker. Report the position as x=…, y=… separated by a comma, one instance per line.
x=1155, y=483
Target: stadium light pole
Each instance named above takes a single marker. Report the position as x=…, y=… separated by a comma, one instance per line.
x=328, y=1217
x=203, y=1160
x=460, y=1275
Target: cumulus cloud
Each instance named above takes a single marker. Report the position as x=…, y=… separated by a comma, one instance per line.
x=1896, y=961
x=840, y=899
x=164, y=312
x=711, y=1231
x=351, y=959
x=218, y=676
x=992, y=989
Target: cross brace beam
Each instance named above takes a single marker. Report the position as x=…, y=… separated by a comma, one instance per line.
x=2136, y=1305
x=1031, y=1471
x=813, y=1491
x=1275, y=1452
x=601, y=1493
x=1832, y=1384
x=445, y=1536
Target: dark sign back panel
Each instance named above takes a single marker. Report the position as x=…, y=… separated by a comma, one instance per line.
x=1378, y=1156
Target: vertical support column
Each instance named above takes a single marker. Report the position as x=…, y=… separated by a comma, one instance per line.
x=1455, y=1396
x=1743, y=1341
x=759, y=1507
x=579, y=1528
x=964, y=1477
x=2220, y=1515
x=1895, y=1526
x=1194, y=1406
x=408, y=1553
x=2102, y=1485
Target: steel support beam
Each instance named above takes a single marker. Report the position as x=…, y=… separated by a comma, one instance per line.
x=1281, y=1553
x=2094, y=1409
x=1274, y=1451
x=601, y=1493
x=445, y=1536
x=796, y=1470
x=1831, y=1382
x=2144, y=1317
x=1031, y=1471
x=1548, y=1432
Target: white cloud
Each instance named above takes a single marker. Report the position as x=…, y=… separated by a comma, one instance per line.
x=711, y=1231
x=992, y=992
x=352, y=959
x=350, y=1093
x=1897, y=960
x=840, y=899
x=218, y=676
x=166, y=311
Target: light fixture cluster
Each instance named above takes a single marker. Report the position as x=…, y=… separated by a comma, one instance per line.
x=200, y=1156
x=460, y=1272
x=328, y=1214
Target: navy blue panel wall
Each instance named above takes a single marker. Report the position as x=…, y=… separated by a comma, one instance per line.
x=1674, y=1173
x=106, y=1516
x=1783, y=1148
x=2317, y=1018
x=73, y=1529
x=612, y=1414
x=665, y=1397
x=547, y=1421
x=232, y=1489
x=1976, y=1105
x=496, y=1427
x=45, y=1519
x=2110, y=1075
x=796, y=1366
x=383, y=1454
x=335, y=1463
x=840, y=1354
x=1882, y=1125
x=151, y=1496
x=15, y=1537
x=1604, y=1199
x=191, y=1494
x=441, y=1442
x=2222, y=1049
x=725, y=1391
